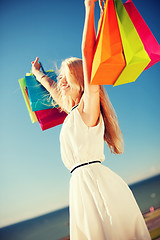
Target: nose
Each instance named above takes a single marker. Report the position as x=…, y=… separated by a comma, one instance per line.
x=62, y=81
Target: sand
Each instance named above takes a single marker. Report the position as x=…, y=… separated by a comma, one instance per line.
x=152, y=220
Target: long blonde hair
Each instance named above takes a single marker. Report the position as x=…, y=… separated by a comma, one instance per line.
x=112, y=133
x=76, y=70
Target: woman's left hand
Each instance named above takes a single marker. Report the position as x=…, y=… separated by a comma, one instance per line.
x=36, y=65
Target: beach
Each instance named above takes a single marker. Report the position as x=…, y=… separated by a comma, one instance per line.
x=152, y=220
x=55, y=225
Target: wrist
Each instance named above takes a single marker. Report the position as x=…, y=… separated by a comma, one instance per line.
x=89, y=3
x=39, y=75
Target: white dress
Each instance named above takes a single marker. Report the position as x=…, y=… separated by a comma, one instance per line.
x=102, y=206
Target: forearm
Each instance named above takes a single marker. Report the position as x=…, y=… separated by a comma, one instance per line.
x=50, y=85
x=88, y=39
x=88, y=45
x=47, y=82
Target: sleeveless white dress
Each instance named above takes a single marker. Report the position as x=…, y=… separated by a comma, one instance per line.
x=102, y=206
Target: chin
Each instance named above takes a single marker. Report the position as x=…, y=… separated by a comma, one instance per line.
x=65, y=91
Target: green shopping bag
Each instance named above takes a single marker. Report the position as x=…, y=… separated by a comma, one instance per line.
x=32, y=114
x=135, y=54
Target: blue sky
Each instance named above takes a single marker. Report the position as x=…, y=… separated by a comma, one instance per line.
x=33, y=179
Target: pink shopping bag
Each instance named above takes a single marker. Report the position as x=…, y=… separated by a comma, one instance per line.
x=49, y=118
x=150, y=43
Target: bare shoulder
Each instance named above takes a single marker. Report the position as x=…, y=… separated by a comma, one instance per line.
x=89, y=107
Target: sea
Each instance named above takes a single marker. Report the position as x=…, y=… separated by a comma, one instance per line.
x=55, y=225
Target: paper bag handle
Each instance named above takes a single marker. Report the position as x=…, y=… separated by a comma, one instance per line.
x=101, y=2
x=42, y=67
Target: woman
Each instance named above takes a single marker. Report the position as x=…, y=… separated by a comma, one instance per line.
x=101, y=204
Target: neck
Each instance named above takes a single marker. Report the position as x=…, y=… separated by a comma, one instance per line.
x=69, y=103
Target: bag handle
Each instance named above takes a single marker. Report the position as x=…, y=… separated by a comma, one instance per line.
x=101, y=5
x=42, y=67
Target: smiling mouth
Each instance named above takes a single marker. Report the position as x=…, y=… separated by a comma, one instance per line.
x=65, y=86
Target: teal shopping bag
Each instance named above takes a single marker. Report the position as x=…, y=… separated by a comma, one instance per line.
x=39, y=97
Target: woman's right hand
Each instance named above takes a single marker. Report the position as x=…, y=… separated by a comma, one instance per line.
x=89, y=2
x=35, y=66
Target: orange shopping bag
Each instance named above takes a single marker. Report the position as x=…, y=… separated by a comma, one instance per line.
x=108, y=61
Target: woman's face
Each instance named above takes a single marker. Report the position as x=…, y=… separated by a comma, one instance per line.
x=63, y=84
x=66, y=83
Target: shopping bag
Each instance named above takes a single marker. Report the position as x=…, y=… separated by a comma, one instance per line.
x=32, y=114
x=108, y=61
x=135, y=55
x=47, y=118
x=50, y=118
x=39, y=97
x=150, y=43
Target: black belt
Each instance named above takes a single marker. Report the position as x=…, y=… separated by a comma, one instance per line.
x=83, y=164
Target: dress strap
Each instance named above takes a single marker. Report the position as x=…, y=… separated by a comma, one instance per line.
x=73, y=108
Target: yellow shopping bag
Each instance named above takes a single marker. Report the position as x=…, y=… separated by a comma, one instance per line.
x=135, y=54
x=32, y=114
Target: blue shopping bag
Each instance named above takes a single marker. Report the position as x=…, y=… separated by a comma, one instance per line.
x=39, y=97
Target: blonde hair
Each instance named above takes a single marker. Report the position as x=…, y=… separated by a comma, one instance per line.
x=76, y=70
x=112, y=133
x=76, y=81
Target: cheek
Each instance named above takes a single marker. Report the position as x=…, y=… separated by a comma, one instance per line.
x=67, y=91
x=73, y=84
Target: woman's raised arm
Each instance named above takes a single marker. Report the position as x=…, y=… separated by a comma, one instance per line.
x=91, y=100
x=48, y=83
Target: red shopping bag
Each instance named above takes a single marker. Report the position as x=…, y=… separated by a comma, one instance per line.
x=150, y=43
x=49, y=118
